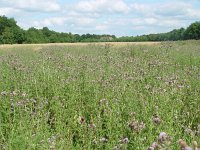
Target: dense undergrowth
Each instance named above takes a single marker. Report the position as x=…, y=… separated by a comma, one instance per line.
x=100, y=96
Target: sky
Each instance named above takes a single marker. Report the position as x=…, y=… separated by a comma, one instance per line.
x=115, y=17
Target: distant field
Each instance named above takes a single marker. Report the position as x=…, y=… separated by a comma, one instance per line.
x=100, y=95
x=66, y=44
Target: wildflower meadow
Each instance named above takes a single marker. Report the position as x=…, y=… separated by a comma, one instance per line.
x=108, y=96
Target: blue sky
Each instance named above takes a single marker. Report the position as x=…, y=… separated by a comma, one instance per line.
x=118, y=17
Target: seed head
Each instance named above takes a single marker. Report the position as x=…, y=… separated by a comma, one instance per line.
x=195, y=145
x=136, y=126
x=188, y=148
x=116, y=147
x=163, y=137
x=4, y=93
x=156, y=119
x=81, y=120
x=182, y=144
x=124, y=141
x=94, y=141
x=103, y=102
x=52, y=146
x=150, y=148
x=103, y=140
x=132, y=114
x=155, y=145
x=91, y=125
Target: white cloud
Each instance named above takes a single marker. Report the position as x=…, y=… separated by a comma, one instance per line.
x=7, y=11
x=55, y=21
x=101, y=27
x=64, y=21
x=83, y=21
x=111, y=6
x=34, y=5
x=178, y=9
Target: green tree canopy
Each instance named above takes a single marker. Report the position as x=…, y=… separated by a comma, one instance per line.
x=193, y=31
x=11, y=33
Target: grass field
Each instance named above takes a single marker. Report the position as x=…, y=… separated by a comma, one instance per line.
x=99, y=96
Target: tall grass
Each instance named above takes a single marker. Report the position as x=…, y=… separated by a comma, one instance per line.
x=100, y=96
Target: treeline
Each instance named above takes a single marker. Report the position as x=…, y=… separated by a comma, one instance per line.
x=11, y=33
x=192, y=32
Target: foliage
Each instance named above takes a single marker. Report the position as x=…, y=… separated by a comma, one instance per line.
x=99, y=96
x=11, y=33
x=175, y=35
x=34, y=35
x=193, y=31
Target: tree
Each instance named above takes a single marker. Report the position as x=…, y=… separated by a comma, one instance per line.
x=6, y=22
x=10, y=32
x=34, y=35
x=193, y=31
x=46, y=31
x=53, y=38
x=8, y=36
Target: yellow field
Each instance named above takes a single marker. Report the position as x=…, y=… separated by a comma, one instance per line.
x=81, y=44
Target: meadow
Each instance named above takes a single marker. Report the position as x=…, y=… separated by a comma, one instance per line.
x=100, y=96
